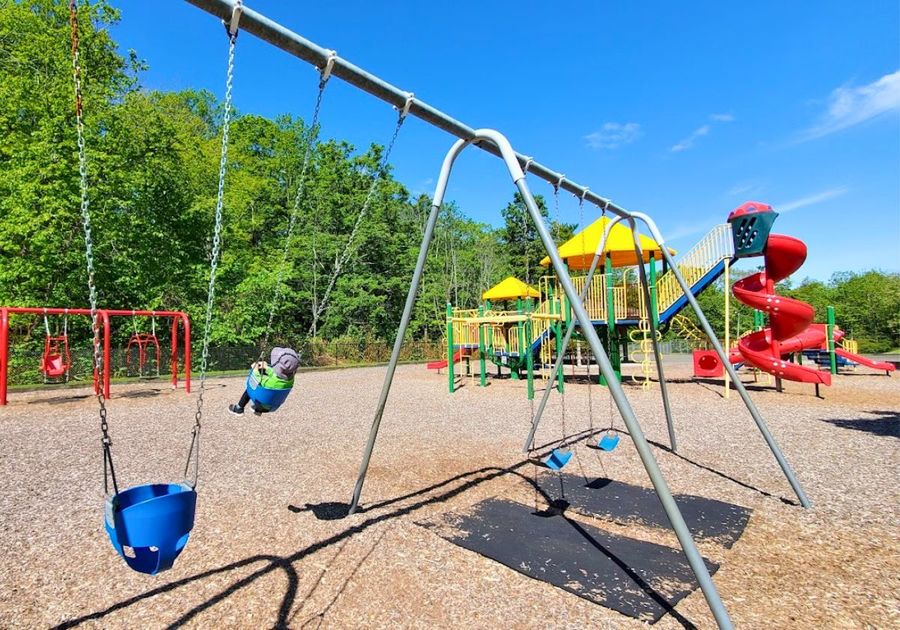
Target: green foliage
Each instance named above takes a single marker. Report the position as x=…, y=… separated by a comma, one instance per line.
x=523, y=246
x=152, y=167
x=867, y=307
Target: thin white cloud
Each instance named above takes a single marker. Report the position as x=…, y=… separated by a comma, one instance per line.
x=849, y=106
x=699, y=132
x=426, y=186
x=613, y=135
x=740, y=189
x=684, y=230
x=688, y=142
x=810, y=200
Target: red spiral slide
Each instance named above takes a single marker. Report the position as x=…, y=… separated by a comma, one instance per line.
x=789, y=319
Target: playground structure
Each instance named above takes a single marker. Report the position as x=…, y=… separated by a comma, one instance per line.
x=790, y=329
x=56, y=359
x=518, y=165
x=529, y=337
x=155, y=520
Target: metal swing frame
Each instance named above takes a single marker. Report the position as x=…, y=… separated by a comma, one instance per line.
x=495, y=143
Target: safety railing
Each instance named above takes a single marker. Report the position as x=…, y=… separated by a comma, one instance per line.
x=465, y=333
x=694, y=264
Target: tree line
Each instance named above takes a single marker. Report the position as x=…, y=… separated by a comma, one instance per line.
x=867, y=306
x=152, y=169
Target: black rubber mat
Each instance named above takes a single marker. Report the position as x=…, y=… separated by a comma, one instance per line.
x=636, y=578
x=623, y=503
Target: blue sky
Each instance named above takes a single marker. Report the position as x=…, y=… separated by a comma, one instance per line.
x=679, y=110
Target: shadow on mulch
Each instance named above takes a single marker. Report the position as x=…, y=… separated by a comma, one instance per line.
x=723, y=475
x=141, y=393
x=639, y=579
x=888, y=425
x=334, y=511
x=59, y=400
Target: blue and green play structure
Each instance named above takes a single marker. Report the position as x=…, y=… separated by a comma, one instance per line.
x=520, y=327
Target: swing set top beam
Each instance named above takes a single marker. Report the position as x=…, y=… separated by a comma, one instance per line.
x=328, y=61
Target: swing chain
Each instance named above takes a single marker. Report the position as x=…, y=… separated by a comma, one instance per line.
x=610, y=414
x=106, y=442
x=562, y=368
x=312, y=136
x=370, y=195
x=326, y=71
x=214, y=264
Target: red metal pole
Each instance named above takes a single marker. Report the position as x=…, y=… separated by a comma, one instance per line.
x=187, y=352
x=106, y=353
x=4, y=352
x=93, y=360
x=174, y=361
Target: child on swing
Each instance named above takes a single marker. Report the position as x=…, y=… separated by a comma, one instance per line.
x=277, y=374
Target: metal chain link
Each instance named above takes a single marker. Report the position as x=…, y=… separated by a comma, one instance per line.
x=99, y=367
x=562, y=365
x=312, y=136
x=348, y=248
x=608, y=273
x=214, y=264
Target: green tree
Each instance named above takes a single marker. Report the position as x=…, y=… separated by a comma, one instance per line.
x=40, y=230
x=520, y=239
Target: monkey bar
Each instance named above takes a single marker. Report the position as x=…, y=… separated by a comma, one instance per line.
x=104, y=316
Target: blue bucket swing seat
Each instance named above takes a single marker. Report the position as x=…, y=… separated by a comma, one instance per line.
x=149, y=525
x=609, y=441
x=557, y=459
x=265, y=399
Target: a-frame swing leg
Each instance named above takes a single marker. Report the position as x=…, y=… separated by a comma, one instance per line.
x=637, y=435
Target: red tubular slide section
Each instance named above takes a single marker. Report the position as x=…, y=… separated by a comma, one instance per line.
x=438, y=365
x=789, y=319
x=875, y=365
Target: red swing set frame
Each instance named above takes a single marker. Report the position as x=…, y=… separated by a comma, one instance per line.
x=101, y=381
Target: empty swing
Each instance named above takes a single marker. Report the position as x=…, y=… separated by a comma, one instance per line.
x=143, y=342
x=610, y=439
x=149, y=525
x=558, y=457
x=56, y=359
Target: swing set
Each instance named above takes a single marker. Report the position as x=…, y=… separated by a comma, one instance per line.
x=149, y=525
x=56, y=358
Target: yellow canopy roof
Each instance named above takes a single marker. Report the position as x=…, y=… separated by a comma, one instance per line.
x=579, y=250
x=510, y=289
